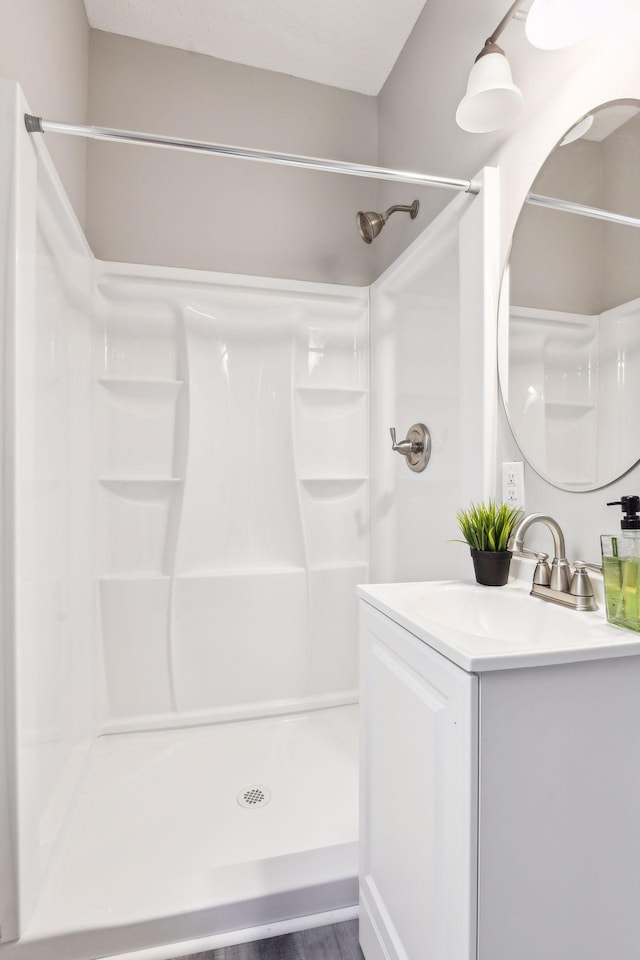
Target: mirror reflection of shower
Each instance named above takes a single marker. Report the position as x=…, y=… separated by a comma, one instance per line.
x=569, y=347
x=370, y=224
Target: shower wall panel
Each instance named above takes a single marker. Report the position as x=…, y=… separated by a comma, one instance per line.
x=618, y=385
x=570, y=376
x=233, y=493
x=416, y=349
x=552, y=387
x=48, y=495
x=433, y=360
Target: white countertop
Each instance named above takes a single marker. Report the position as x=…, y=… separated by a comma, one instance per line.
x=498, y=628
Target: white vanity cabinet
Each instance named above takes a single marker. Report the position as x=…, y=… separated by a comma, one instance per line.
x=500, y=810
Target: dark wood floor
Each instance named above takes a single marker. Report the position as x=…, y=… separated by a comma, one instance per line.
x=337, y=942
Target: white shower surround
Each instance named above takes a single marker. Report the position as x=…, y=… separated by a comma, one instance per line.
x=570, y=384
x=233, y=493
x=125, y=451
x=191, y=501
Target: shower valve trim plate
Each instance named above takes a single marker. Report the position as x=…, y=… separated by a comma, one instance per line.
x=416, y=447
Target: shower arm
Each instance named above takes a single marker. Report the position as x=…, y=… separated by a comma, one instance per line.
x=398, y=208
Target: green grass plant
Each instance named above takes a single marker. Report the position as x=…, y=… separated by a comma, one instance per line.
x=488, y=526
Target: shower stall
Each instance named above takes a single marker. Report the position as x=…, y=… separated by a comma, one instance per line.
x=189, y=498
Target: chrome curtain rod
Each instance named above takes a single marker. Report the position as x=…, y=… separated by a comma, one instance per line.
x=566, y=206
x=38, y=125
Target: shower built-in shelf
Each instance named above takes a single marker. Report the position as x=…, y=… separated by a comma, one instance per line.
x=147, y=489
x=329, y=401
x=568, y=408
x=147, y=388
x=339, y=393
x=141, y=577
x=572, y=485
x=215, y=572
x=332, y=488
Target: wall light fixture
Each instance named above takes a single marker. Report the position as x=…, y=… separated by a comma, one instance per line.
x=492, y=98
x=556, y=24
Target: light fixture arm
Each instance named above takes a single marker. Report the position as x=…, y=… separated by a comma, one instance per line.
x=491, y=44
x=492, y=98
x=509, y=15
x=489, y=47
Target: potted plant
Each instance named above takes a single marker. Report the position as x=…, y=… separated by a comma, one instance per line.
x=486, y=527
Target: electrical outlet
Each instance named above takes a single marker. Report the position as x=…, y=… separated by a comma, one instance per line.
x=513, y=483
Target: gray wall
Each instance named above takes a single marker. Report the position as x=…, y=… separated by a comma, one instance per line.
x=44, y=46
x=416, y=111
x=564, y=262
x=621, y=261
x=167, y=208
x=556, y=259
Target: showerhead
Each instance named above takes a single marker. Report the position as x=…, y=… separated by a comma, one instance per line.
x=370, y=224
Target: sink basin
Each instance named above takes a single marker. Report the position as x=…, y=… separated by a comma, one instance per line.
x=495, y=628
x=502, y=614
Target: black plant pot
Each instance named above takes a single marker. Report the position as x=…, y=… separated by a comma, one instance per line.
x=491, y=566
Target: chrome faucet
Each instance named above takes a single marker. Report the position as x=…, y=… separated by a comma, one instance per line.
x=558, y=584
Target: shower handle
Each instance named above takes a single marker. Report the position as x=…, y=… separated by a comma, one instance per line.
x=416, y=448
x=405, y=447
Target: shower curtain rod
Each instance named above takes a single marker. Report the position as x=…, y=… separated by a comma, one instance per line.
x=567, y=206
x=38, y=125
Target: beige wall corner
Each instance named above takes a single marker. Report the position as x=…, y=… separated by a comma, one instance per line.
x=44, y=46
x=168, y=208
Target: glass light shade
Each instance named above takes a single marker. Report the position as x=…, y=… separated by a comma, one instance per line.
x=555, y=24
x=492, y=99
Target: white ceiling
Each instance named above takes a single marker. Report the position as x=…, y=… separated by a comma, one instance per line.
x=351, y=44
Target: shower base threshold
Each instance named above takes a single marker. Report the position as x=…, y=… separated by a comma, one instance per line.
x=182, y=834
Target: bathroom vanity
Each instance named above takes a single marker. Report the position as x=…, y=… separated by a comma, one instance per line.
x=500, y=766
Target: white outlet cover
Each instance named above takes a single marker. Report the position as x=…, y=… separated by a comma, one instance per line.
x=513, y=483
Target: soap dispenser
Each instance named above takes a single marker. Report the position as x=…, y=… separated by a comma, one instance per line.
x=621, y=567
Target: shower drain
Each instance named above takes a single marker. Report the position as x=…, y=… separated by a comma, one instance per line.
x=254, y=796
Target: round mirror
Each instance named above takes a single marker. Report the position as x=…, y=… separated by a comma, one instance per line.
x=569, y=324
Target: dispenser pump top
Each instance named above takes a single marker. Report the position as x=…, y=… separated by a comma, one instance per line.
x=630, y=507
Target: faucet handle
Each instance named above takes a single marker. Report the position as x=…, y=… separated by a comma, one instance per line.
x=542, y=572
x=405, y=447
x=526, y=554
x=583, y=565
x=581, y=586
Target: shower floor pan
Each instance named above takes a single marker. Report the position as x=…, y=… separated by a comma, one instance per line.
x=180, y=834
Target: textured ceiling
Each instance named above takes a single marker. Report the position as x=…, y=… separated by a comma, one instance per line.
x=344, y=43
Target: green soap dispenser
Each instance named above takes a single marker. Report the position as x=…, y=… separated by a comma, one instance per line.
x=621, y=567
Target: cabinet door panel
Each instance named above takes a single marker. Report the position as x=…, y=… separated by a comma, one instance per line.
x=418, y=798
